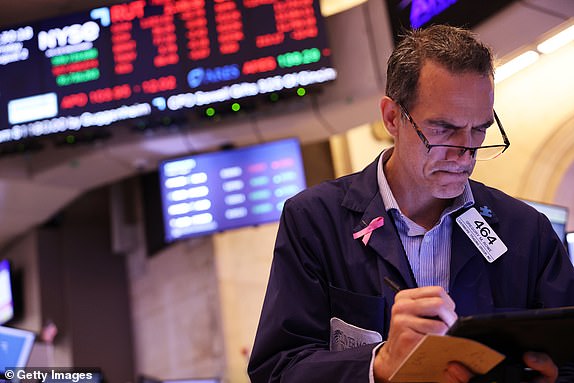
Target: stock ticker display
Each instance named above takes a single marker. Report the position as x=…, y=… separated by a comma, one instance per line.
x=227, y=189
x=142, y=57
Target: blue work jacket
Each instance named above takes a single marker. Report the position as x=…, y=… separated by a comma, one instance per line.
x=319, y=272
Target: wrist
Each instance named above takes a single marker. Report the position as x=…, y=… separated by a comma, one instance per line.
x=381, y=370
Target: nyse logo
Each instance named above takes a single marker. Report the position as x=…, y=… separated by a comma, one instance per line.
x=68, y=35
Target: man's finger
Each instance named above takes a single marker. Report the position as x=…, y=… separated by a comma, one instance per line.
x=543, y=363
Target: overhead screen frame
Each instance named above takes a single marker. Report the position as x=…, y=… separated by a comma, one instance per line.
x=286, y=48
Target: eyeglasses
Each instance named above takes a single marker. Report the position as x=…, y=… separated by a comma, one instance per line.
x=480, y=153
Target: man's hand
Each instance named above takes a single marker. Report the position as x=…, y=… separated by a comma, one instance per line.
x=415, y=313
x=544, y=365
x=457, y=373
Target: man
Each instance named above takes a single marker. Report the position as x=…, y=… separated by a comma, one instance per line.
x=328, y=308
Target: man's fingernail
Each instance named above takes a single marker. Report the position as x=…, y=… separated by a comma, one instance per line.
x=535, y=357
x=532, y=357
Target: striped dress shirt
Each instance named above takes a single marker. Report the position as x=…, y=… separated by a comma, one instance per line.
x=429, y=251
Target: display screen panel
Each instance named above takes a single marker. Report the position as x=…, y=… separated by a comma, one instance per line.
x=143, y=57
x=570, y=245
x=16, y=347
x=228, y=189
x=558, y=216
x=406, y=14
x=6, y=299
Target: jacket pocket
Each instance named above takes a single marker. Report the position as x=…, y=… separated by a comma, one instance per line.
x=365, y=311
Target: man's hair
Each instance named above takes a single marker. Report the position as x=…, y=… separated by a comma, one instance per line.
x=457, y=49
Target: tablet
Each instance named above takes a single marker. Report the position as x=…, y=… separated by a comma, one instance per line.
x=512, y=333
x=15, y=347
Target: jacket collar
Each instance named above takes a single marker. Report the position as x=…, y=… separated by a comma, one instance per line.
x=470, y=285
x=363, y=196
x=463, y=250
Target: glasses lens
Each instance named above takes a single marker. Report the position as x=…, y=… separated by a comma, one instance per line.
x=484, y=154
x=493, y=135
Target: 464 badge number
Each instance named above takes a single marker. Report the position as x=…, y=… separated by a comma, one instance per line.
x=485, y=231
x=481, y=234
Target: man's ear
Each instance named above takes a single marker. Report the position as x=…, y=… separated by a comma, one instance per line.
x=391, y=115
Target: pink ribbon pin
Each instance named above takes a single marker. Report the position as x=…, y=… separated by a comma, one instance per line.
x=367, y=231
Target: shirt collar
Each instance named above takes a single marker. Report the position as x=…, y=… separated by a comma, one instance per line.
x=465, y=200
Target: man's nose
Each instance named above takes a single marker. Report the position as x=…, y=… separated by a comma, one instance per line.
x=464, y=138
x=465, y=156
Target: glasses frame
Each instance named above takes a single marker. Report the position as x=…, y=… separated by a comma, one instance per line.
x=464, y=149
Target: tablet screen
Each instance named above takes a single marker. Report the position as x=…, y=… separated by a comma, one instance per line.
x=15, y=347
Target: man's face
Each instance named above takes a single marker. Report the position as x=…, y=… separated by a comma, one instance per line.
x=450, y=109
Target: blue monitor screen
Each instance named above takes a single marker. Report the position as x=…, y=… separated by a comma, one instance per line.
x=228, y=189
x=558, y=216
x=422, y=13
x=15, y=347
x=6, y=299
x=570, y=243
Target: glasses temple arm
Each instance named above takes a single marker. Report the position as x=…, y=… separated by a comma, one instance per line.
x=504, y=136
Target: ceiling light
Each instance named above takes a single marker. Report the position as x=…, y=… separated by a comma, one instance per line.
x=558, y=40
x=516, y=64
x=331, y=7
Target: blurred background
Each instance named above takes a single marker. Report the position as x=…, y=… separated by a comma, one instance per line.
x=146, y=148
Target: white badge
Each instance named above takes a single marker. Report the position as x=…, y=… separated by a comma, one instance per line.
x=481, y=234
